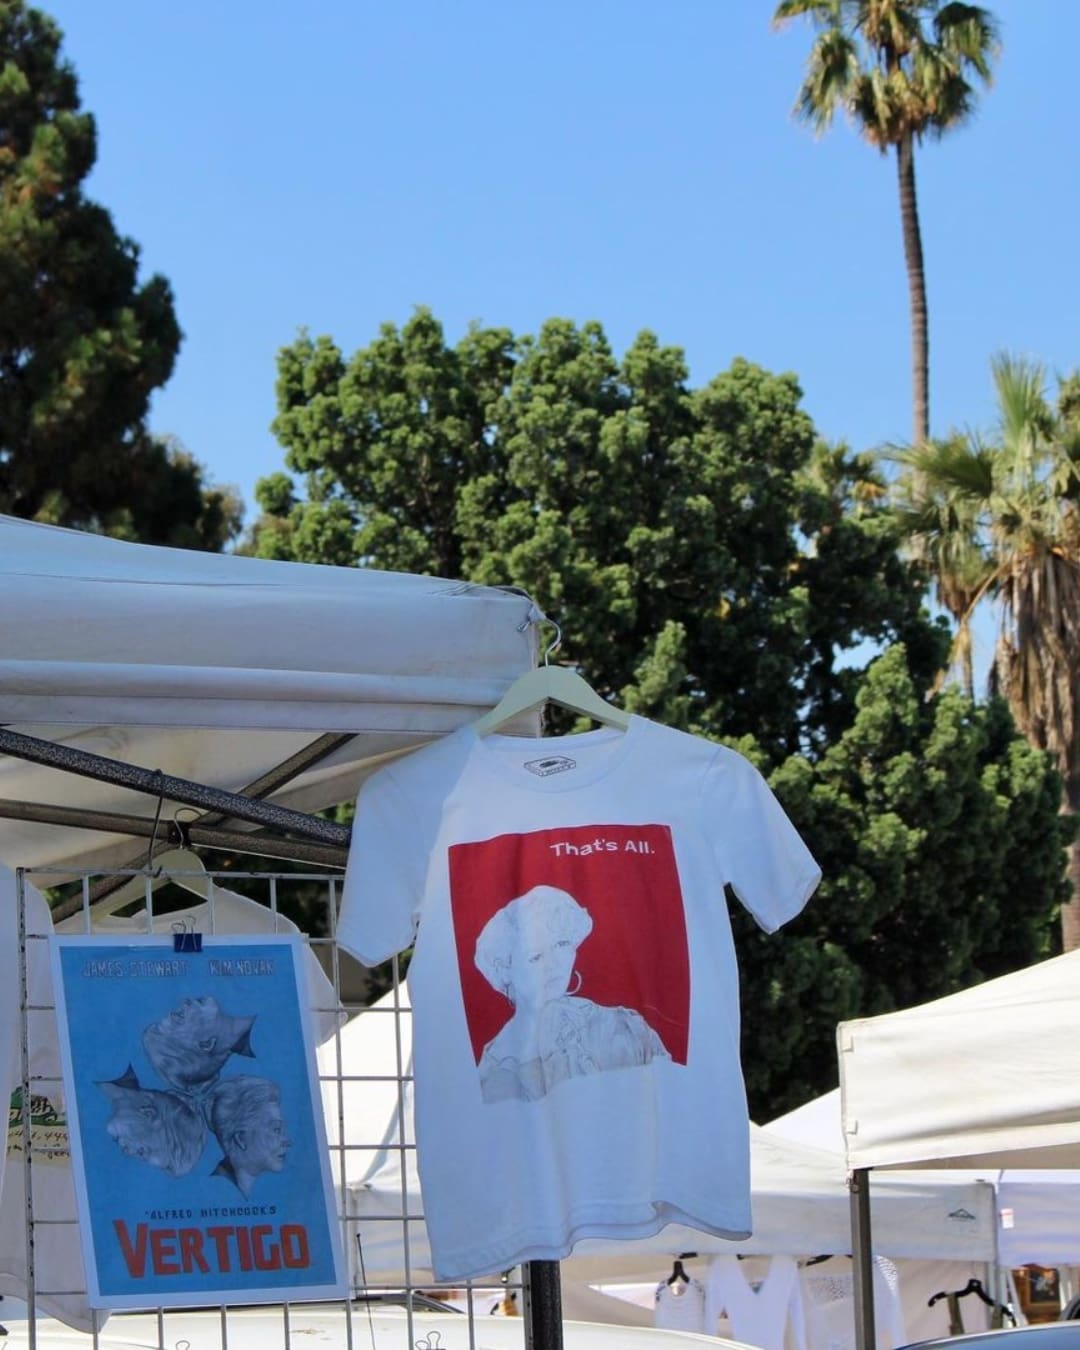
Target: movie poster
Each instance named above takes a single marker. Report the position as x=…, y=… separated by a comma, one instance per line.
x=201, y=1165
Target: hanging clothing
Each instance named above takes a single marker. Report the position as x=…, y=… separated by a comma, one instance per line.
x=680, y=1305
x=59, y=1275
x=829, y=1299
x=553, y=886
x=761, y=1314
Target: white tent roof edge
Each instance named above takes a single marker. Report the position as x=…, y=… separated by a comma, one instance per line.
x=214, y=668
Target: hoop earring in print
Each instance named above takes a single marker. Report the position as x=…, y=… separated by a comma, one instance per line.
x=577, y=986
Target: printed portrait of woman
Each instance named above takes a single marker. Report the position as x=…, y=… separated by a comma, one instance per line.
x=188, y=1047
x=526, y=951
x=245, y=1116
x=157, y=1128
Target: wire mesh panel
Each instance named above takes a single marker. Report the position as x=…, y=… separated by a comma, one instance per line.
x=362, y=1024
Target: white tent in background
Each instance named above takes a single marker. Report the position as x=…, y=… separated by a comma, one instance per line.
x=1037, y=1210
x=986, y=1078
x=800, y=1195
x=989, y=1077
x=217, y=668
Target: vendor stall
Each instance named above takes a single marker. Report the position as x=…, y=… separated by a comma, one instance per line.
x=987, y=1078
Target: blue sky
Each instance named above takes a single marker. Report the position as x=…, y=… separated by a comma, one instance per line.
x=334, y=164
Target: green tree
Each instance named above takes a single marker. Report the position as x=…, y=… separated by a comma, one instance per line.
x=657, y=521
x=83, y=343
x=936, y=828
x=902, y=70
x=710, y=562
x=1002, y=514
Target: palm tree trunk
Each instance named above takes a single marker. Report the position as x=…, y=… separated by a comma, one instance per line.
x=913, y=257
x=1070, y=911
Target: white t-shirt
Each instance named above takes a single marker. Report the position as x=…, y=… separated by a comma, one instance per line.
x=574, y=987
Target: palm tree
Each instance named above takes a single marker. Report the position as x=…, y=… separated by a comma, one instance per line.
x=941, y=523
x=902, y=71
x=1000, y=523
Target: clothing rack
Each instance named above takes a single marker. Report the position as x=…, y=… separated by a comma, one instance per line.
x=542, y=1302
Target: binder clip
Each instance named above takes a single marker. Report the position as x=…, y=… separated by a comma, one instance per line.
x=185, y=939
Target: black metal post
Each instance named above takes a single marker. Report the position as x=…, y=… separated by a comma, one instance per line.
x=543, y=1305
x=862, y=1258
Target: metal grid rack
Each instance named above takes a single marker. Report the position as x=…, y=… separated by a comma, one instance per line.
x=383, y=1310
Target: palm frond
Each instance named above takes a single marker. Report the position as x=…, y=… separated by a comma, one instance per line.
x=830, y=69
x=892, y=30
x=1026, y=418
x=955, y=465
x=823, y=13
x=970, y=34
x=945, y=98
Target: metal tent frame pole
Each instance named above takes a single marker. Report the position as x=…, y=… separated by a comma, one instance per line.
x=862, y=1258
x=170, y=833
x=543, y=1305
x=160, y=785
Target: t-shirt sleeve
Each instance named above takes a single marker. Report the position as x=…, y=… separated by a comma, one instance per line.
x=759, y=851
x=384, y=875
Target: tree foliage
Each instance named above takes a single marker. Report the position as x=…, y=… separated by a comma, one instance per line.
x=83, y=342
x=997, y=517
x=710, y=562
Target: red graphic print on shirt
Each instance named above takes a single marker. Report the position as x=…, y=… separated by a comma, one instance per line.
x=572, y=952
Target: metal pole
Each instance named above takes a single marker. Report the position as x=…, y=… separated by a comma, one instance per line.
x=222, y=840
x=163, y=785
x=862, y=1258
x=27, y=1111
x=542, y=1296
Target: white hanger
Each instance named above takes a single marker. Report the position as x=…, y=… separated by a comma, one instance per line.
x=178, y=865
x=551, y=684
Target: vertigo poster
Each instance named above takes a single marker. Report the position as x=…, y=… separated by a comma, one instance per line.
x=201, y=1166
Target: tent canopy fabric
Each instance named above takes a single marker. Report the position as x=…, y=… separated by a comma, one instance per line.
x=1036, y=1209
x=216, y=668
x=986, y=1078
x=799, y=1194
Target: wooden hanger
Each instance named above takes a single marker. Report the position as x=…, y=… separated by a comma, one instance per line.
x=179, y=865
x=551, y=684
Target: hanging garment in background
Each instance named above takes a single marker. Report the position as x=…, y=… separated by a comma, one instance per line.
x=829, y=1300
x=233, y=915
x=768, y=1313
x=680, y=1305
x=573, y=983
x=59, y=1275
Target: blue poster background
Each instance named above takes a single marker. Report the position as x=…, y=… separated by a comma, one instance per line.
x=159, y=1238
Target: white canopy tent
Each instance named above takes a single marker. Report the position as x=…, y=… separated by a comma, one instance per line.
x=800, y=1195
x=986, y=1078
x=221, y=682
x=1038, y=1211
x=217, y=668
x=989, y=1077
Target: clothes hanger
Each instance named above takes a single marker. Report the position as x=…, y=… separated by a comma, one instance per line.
x=181, y=866
x=678, y=1276
x=551, y=684
x=678, y=1281
x=973, y=1286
